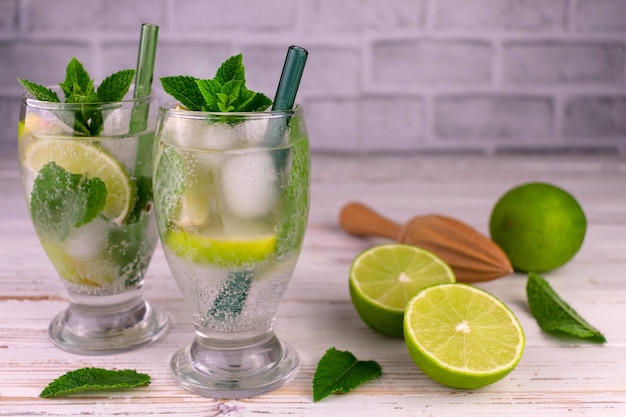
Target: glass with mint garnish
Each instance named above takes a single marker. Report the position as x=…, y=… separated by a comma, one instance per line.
x=231, y=189
x=85, y=153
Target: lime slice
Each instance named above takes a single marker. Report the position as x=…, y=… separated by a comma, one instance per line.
x=31, y=122
x=227, y=253
x=92, y=161
x=385, y=277
x=462, y=336
x=91, y=272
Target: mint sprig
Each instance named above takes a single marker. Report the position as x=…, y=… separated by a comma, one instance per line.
x=340, y=372
x=61, y=200
x=554, y=315
x=226, y=92
x=78, y=88
x=94, y=379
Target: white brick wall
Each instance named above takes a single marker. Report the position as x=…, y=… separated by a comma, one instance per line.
x=481, y=76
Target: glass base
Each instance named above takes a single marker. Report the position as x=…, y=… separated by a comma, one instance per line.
x=103, y=329
x=219, y=370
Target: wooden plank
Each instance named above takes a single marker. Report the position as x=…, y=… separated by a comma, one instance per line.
x=555, y=377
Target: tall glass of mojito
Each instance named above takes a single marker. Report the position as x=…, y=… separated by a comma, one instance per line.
x=86, y=173
x=232, y=197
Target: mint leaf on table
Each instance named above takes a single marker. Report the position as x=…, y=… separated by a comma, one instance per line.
x=94, y=379
x=226, y=92
x=554, y=315
x=340, y=372
x=61, y=200
x=78, y=88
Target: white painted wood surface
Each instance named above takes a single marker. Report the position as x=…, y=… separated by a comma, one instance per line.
x=555, y=377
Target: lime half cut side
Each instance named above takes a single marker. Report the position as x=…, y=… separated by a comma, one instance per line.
x=462, y=336
x=385, y=277
x=92, y=161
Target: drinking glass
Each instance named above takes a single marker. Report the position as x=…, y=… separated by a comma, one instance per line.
x=232, y=197
x=86, y=175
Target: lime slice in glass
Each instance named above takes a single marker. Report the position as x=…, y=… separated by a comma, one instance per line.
x=92, y=161
x=462, y=336
x=222, y=252
x=385, y=277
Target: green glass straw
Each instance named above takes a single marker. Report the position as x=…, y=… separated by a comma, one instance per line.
x=145, y=59
x=290, y=78
x=143, y=87
x=286, y=92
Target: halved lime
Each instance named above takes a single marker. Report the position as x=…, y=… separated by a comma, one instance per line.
x=90, y=160
x=385, y=277
x=223, y=252
x=462, y=336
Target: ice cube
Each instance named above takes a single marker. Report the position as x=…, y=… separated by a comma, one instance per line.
x=250, y=184
x=266, y=131
x=116, y=122
x=198, y=134
x=87, y=241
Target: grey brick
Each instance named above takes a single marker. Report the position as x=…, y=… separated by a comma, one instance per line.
x=67, y=16
x=9, y=116
x=129, y=15
x=526, y=15
x=493, y=117
x=72, y=16
x=331, y=16
x=391, y=123
x=42, y=62
x=564, y=62
x=595, y=117
x=332, y=124
x=600, y=15
x=416, y=62
x=394, y=14
x=558, y=149
x=332, y=70
x=9, y=17
x=241, y=15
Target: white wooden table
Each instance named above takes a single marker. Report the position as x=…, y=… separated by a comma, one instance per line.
x=555, y=377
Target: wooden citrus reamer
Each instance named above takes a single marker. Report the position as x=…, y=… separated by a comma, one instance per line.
x=472, y=256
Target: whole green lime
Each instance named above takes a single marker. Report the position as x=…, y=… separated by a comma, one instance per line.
x=538, y=225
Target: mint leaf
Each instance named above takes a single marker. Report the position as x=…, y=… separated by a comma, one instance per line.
x=231, y=69
x=169, y=184
x=184, y=89
x=78, y=88
x=115, y=86
x=226, y=92
x=554, y=315
x=340, y=371
x=61, y=200
x=40, y=92
x=94, y=379
x=77, y=80
x=258, y=102
x=209, y=90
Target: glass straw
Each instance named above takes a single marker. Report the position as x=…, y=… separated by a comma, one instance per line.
x=143, y=87
x=290, y=78
x=286, y=92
